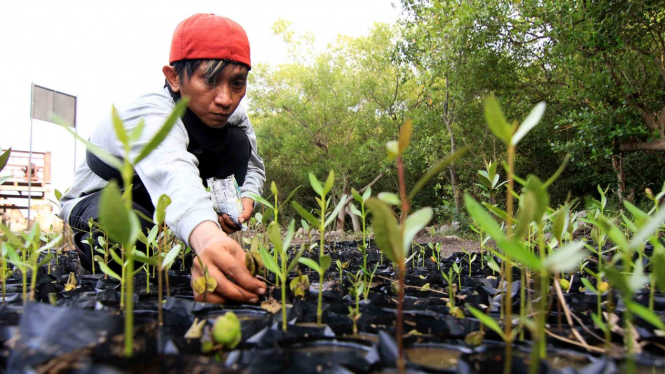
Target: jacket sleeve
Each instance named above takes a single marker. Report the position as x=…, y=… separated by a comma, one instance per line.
x=256, y=172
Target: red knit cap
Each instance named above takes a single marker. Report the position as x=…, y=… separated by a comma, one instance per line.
x=210, y=37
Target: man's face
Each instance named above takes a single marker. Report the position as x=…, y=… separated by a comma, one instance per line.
x=214, y=102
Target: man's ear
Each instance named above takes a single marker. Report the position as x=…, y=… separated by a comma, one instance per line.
x=172, y=77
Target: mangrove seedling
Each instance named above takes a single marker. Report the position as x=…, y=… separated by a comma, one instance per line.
x=321, y=222
x=457, y=268
x=357, y=288
x=274, y=207
x=395, y=239
x=340, y=267
x=628, y=281
x=368, y=282
x=450, y=280
x=282, y=269
x=361, y=199
x=469, y=258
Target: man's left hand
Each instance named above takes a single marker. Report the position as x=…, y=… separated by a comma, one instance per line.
x=227, y=224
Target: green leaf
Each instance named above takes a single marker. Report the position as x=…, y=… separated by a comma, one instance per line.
x=141, y=257
x=269, y=262
x=273, y=188
x=367, y=194
x=304, y=225
x=275, y=236
x=648, y=229
x=542, y=198
x=13, y=239
x=637, y=279
x=646, y=314
x=589, y=286
x=565, y=258
x=335, y=212
x=326, y=261
x=50, y=244
x=495, y=210
x=392, y=148
x=45, y=260
x=405, y=136
x=135, y=135
x=558, y=171
x=631, y=226
x=390, y=198
x=296, y=258
x=355, y=210
x=305, y=214
x=291, y=195
x=107, y=270
x=119, y=127
x=497, y=121
x=4, y=158
x=329, y=182
x=259, y=199
x=121, y=224
x=516, y=251
x=56, y=192
x=115, y=257
x=316, y=185
x=171, y=256
x=435, y=170
x=613, y=232
x=637, y=213
x=290, y=231
x=527, y=212
x=561, y=220
x=5, y=178
x=152, y=236
x=310, y=264
x=529, y=123
x=598, y=321
x=160, y=213
x=413, y=224
x=487, y=321
x=484, y=220
x=356, y=196
x=386, y=232
x=161, y=134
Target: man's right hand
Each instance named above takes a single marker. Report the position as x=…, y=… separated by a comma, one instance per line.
x=225, y=261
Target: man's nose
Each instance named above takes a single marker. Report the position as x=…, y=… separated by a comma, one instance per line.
x=223, y=95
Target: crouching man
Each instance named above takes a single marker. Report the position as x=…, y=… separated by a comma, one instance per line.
x=208, y=63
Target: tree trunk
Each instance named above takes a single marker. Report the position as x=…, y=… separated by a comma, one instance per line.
x=354, y=220
x=655, y=145
x=617, y=164
x=453, y=174
x=346, y=190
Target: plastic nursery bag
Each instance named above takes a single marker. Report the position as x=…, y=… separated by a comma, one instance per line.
x=226, y=198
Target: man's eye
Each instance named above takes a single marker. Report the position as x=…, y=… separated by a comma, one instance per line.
x=239, y=84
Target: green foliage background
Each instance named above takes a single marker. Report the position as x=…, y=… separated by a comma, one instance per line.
x=599, y=65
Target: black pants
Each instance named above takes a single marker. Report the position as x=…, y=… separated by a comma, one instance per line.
x=232, y=160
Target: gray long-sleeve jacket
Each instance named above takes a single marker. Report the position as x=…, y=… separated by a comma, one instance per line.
x=169, y=169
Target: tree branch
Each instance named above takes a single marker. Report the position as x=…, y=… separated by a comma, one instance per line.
x=655, y=145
